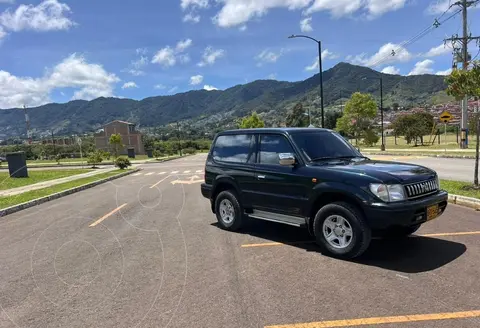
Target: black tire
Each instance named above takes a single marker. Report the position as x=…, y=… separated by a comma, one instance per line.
x=401, y=232
x=237, y=221
x=361, y=233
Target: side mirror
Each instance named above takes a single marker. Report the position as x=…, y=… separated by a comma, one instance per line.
x=286, y=159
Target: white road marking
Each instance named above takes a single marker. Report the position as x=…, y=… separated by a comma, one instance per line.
x=160, y=173
x=150, y=173
x=174, y=172
x=198, y=171
x=186, y=171
x=136, y=174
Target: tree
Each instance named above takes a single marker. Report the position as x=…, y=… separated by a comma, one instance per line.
x=157, y=154
x=413, y=126
x=370, y=137
x=115, y=142
x=297, y=117
x=462, y=84
x=252, y=121
x=358, y=116
x=95, y=158
x=331, y=117
x=148, y=142
x=122, y=163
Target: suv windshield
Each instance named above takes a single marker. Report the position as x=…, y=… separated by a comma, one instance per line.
x=318, y=145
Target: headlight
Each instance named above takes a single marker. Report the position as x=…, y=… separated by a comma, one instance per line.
x=388, y=193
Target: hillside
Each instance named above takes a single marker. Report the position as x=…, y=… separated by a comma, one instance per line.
x=202, y=107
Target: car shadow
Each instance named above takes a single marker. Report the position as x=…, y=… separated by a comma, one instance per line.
x=411, y=255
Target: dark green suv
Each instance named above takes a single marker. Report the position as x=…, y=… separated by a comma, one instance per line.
x=314, y=178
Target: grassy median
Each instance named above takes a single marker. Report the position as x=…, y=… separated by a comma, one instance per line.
x=36, y=176
x=34, y=194
x=460, y=188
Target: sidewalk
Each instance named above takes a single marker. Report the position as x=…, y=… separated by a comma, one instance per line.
x=49, y=183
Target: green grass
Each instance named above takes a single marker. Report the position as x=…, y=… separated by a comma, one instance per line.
x=36, y=176
x=459, y=188
x=448, y=142
x=34, y=194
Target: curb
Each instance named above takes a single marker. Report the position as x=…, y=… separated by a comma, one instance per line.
x=470, y=202
x=38, y=201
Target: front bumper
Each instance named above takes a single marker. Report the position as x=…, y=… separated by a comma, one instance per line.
x=382, y=216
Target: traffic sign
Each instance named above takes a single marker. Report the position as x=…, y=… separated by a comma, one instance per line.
x=445, y=117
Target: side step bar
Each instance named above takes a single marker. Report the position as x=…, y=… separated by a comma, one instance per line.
x=279, y=218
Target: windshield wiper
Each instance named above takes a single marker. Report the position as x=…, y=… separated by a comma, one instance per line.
x=336, y=157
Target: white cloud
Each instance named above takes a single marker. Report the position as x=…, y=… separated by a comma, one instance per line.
x=183, y=45
x=196, y=79
x=165, y=57
x=445, y=72
x=383, y=56
x=194, y=3
x=326, y=54
x=159, y=86
x=209, y=87
x=129, y=85
x=49, y=15
x=238, y=12
x=267, y=56
x=243, y=28
x=173, y=89
x=422, y=67
x=184, y=58
x=210, y=56
x=439, y=7
x=191, y=17
x=272, y=76
x=306, y=24
x=2, y=33
x=7, y=1
x=391, y=70
x=442, y=49
x=141, y=51
x=91, y=80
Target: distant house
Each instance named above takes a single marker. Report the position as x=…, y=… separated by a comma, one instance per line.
x=131, y=138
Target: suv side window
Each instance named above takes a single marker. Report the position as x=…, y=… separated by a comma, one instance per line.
x=235, y=148
x=270, y=146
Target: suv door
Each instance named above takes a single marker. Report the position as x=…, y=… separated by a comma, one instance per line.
x=233, y=158
x=278, y=188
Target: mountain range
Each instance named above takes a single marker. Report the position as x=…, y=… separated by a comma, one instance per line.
x=201, y=108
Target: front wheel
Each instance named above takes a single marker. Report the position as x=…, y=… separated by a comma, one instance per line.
x=228, y=210
x=341, y=231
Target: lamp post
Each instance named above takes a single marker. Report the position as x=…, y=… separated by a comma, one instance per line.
x=382, y=147
x=320, y=69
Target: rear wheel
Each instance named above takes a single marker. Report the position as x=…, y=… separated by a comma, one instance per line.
x=340, y=230
x=228, y=211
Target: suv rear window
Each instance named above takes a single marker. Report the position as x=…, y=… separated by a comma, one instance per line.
x=233, y=148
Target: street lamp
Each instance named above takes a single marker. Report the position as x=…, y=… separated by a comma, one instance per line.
x=382, y=147
x=320, y=69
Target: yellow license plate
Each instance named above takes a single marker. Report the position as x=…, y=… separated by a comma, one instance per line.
x=432, y=212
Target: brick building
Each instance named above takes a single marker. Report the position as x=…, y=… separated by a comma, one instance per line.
x=131, y=138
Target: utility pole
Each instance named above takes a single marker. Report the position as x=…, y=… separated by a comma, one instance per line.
x=464, y=58
x=27, y=124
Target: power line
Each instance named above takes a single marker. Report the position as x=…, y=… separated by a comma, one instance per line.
x=437, y=23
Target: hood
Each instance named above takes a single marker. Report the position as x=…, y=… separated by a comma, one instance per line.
x=387, y=171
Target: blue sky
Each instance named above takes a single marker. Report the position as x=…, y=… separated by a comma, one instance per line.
x=59, y=50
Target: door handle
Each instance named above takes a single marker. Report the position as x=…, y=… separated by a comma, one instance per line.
x=260, y=177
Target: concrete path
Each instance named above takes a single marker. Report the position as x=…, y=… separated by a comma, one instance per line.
x=49, y=183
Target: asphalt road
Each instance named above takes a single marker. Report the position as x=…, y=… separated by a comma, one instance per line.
x=145, y=251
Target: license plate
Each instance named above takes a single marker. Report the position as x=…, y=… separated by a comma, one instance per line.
x=432, y=212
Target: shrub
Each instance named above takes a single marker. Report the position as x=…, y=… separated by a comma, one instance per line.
x=122, y=163
x=189, y=151
x=95, y=158
x=157, y=153
x=58, y=157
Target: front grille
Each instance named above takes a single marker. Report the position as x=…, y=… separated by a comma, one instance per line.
x=420, y=189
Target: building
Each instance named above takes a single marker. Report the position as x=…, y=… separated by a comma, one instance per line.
x=131, y=138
